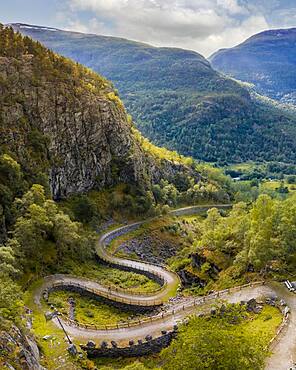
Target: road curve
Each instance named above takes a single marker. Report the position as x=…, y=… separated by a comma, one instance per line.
x=170, y=280
x=283, y=354
x=159, y=323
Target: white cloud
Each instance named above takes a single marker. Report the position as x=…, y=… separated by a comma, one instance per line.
x=235, y=35
x=201, y=25
x=92, y=26
x=231, y=6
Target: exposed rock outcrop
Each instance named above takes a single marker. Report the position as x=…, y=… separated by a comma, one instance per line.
x=150, y=248
x=19, y=351
x=67, y=121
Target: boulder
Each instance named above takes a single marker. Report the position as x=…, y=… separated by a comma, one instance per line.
x=49, y=315
x=91, y=344
x=251, y=305
x=72, y=349
x=213, y=311
x=104, y=345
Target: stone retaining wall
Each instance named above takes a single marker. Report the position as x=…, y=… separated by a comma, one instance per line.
x=135, y=350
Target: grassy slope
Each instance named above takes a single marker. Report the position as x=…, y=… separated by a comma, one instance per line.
x=264, y=324
x=112, y=277
x=53, y=351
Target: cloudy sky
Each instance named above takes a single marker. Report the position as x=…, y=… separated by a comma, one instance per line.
x=201, y=25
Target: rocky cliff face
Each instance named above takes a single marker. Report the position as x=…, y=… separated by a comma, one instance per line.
x=18, y=351
x=82, y=128
x=58, y=118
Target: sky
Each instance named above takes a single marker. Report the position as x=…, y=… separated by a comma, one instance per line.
x=201, y=25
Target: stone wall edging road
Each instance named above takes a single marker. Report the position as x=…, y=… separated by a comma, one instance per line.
x=280, y=331
x=142, y=348
x=193, y=302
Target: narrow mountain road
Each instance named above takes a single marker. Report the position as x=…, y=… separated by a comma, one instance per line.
x=154, y=328
x=170, y=280
x=283, y=353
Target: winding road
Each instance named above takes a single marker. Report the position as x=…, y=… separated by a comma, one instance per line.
x=171, y=314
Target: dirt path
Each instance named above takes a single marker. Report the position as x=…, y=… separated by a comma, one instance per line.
x=171, y=280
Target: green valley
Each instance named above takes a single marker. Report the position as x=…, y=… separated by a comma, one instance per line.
x=116, y=253
x=178, y=101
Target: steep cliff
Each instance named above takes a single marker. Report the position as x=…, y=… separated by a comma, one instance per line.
x=60, y=119
x=75, y=124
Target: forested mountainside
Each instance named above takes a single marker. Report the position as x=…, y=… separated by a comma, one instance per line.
x=267, y=60
x=179, y=101
x=64, y=132
x=63, y=126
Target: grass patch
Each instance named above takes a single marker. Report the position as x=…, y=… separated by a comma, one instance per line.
x=89, y=310
x=246, y=166
x=113, y=277
x=274, y=185
x=264, y=325
x=54, y=350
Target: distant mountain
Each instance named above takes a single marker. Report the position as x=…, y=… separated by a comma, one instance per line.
x=178, y=100
x=268, y=60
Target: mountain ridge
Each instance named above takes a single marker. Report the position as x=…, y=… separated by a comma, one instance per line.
x=19, y=26
x=178, y=101
x=266, y=59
